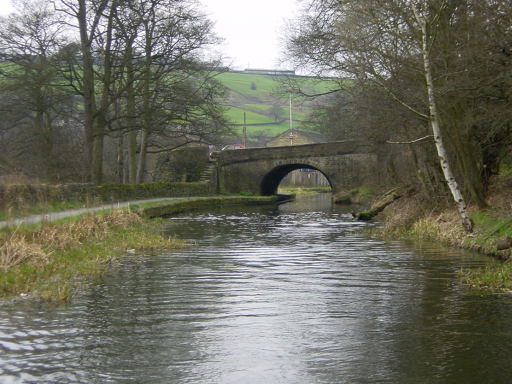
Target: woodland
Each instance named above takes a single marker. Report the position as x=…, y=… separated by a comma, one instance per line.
x=434, y=75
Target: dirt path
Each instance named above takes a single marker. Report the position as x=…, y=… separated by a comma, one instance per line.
x=53, y=216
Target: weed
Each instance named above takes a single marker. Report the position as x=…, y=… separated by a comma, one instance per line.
x=16, y=250
x=49, y=259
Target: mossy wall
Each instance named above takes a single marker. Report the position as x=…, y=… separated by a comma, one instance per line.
x=19, y=196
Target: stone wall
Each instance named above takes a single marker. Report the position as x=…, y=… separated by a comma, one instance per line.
x=185, y=165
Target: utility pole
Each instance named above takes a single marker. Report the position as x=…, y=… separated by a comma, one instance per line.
x=244, y=142
x=291, y=121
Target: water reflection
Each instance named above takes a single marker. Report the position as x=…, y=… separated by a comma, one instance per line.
x=296, y=294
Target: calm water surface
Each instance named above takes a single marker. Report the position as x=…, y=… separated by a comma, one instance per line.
x=295, y=294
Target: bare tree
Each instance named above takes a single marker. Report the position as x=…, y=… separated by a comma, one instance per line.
x=134, y=51
x=178, y=96
x=36, y=106
x=412, y=49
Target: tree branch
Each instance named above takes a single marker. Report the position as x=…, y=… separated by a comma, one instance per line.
x=410, y=142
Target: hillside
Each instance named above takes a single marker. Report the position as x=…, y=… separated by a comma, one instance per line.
x=265, y=104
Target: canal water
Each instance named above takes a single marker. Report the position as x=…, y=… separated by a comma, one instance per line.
x=294, y=294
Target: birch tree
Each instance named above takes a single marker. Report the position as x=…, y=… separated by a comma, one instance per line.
x=386, y=42
x=426, y=21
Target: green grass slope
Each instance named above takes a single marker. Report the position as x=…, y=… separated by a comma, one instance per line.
x=259, y=96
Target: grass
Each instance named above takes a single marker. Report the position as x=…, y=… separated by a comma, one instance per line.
x=303, y=190
x=495, y=277
x=428, y=220
x=258, y=102
x=269, y=130
x=241, y=83
x=259, y=108
x=493, y=226
x=48, y=207
x=406, y=219
x=236, y=116
x=266, y=110
x=50, y=260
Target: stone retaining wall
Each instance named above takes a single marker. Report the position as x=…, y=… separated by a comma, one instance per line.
x=19, y=196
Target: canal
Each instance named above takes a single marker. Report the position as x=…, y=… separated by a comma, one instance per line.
x=293, y=294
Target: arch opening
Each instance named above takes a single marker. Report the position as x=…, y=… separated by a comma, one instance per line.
x=271, y=181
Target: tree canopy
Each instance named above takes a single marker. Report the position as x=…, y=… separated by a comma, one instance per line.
x=432, y=69
x=92, y=72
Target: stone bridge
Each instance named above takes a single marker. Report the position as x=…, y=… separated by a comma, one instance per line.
x=345, y=164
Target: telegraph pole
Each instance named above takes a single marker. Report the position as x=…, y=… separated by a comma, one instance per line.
x=291, y=121
x=244, y=142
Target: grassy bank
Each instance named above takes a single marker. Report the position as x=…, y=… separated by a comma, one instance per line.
x=47, y=261
x=409, y=218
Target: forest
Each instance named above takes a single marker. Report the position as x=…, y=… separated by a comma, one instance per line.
x=82, y=80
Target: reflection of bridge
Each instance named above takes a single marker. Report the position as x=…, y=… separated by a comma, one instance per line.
x=345, y=164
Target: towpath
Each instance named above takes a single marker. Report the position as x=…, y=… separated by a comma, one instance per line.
x=53, y=216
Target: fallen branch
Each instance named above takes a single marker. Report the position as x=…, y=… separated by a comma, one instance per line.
x=384, y=201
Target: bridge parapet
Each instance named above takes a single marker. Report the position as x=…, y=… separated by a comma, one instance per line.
x=336, y=148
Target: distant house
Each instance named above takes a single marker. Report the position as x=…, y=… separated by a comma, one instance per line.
x=305, y=177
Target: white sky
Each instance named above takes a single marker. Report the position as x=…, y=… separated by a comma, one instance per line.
x=5, y=7
x=252, y=29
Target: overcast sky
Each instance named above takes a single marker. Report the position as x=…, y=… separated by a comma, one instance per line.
x=252, y=29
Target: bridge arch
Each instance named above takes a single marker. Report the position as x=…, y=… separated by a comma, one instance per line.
x=271, y=181
x=260, y=170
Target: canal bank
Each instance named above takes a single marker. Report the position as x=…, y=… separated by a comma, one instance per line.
x=47, y=260
x=296, y=293
x=412, y=218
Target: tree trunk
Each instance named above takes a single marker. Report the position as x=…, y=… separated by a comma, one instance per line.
x=146, y=104
x=120, y=158
x=132, y=156
x=97, y=156
x=101, y=121
x=131, y=111
x=88, y=85
x=142, y=156
x=467, y=157
x=438, y=139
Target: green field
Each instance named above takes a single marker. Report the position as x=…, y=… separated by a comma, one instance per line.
x=267, y=130
x=236, y=116
x=259, y=95
x=241, y=82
